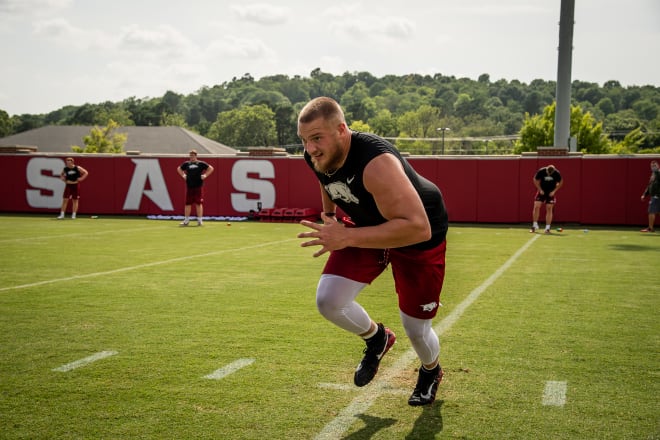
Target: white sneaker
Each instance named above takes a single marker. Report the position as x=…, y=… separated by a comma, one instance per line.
x=184, y=223
x=60, y=217
x=199, y=223
x=73, y=216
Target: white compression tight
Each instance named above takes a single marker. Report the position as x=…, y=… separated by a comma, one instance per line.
x=335, y=300
x=422, y=337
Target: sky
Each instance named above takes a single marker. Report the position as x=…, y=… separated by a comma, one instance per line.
x=55, y=53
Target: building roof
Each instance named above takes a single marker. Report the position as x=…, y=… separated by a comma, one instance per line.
x=146, y=140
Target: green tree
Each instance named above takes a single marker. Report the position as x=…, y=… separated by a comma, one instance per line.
x=538, y=130
x=26, y=122
x=103, y=140
x=171, y=102
x=409, y=125
x=173, y=120
x=646, y=109
x=286, y=125
x=357, y=103
x=429, y=120
x=115, y=113
x=6, y=124
x=244, y=127
x=606, y=106
x=630, y=143
x=360, y=126
x=384, y=124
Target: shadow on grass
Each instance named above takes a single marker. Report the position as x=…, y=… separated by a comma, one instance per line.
x=633, y=247
x=429, y=422
x=427, y=425
x=372, y=426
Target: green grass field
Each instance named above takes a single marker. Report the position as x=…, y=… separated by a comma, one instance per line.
x=543, y=337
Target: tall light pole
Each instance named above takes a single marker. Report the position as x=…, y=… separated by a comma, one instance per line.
x=443, y=129
x=564, y=63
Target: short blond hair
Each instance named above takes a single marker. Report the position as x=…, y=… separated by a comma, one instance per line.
x=321, y=107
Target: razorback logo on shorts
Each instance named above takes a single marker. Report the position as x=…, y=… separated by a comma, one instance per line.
x=429, y=307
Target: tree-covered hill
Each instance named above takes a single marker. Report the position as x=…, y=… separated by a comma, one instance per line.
x=249, y=112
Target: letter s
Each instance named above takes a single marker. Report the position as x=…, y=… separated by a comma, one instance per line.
x=241, y=181
x=40, y=197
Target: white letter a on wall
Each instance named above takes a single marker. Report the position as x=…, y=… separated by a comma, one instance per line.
x=147, y=169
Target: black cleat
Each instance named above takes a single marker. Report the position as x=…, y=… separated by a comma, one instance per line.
x=377, y=346
x=427, y=386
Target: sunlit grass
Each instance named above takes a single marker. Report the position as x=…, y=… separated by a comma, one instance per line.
x=178, y=303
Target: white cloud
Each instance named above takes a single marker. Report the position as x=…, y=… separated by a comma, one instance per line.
x=343, y=10
x=32, y=6
x=161, y=41
x=353, y=22
x=56, y=28
x=506, y=9
x=374, y=28
x=261, y=13
x=398, y=27
x=239, y=47
x=60, y=31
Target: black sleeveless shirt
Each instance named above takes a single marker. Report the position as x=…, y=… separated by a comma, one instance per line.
x=346, y=188
x=72, y=174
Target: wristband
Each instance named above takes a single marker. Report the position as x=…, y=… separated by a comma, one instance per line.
x=329, y=214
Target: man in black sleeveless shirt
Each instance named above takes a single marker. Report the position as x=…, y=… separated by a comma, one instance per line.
x=72, y=175
x=394, y=215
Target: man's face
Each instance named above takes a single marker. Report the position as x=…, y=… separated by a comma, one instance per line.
x=654, y=166
x=322, y=141
x=69, y=163
x=193, y=158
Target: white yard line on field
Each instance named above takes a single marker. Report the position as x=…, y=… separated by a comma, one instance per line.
x=141, y=266
x=554, y=393
x=77, y=234
x=82, y=362
x=347, y=416
x=229, y=369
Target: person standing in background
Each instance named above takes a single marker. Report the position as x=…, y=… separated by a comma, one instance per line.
x=194, y=172
x=72, y=175
x=653, y=191
x=547, y=181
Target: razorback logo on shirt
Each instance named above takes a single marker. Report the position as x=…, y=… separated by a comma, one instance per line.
x=341, y=191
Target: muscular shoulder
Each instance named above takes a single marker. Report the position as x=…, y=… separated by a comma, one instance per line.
x=384, y=170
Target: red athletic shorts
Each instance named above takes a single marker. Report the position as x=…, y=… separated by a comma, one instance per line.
x=71, y=191
x=194, y=195
x=418, y=275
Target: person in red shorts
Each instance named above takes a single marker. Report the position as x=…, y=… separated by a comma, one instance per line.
x=397, y=217
x=72, y=175
x=194, y=172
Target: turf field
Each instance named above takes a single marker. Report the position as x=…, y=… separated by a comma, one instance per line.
x=126, y=328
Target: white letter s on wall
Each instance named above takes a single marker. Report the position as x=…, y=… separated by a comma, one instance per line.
x=37, y=198
x=241, y=181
